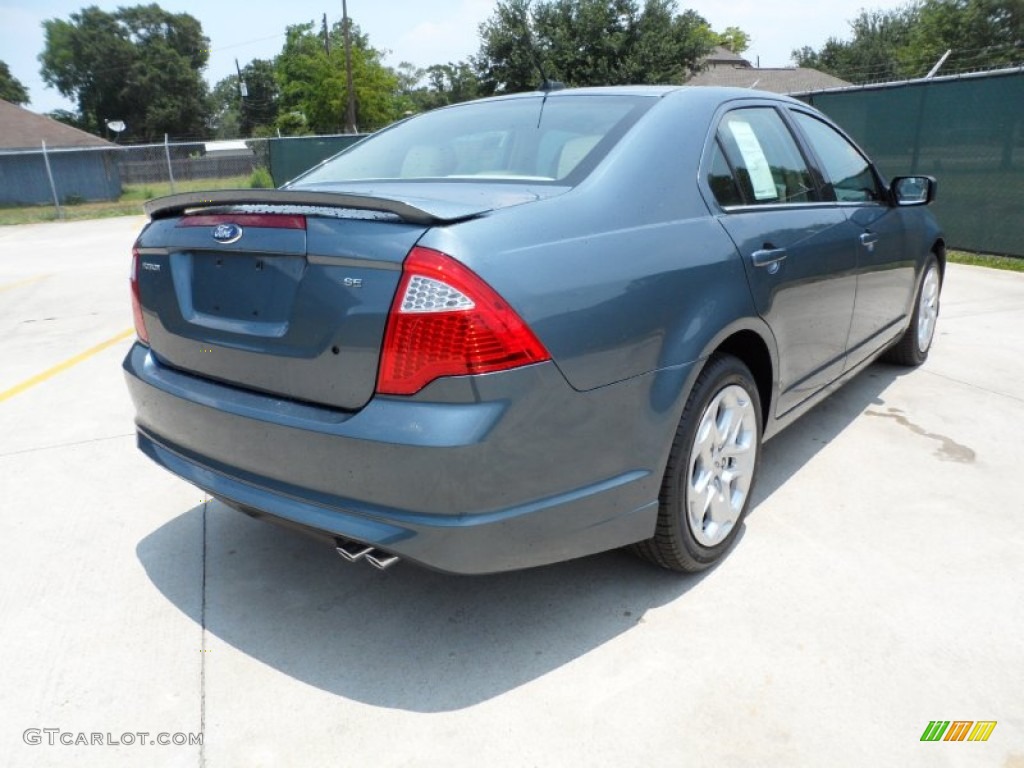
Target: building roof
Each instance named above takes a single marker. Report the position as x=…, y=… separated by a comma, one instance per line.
x=781, y=80
x=722, y=56
x=22, y=129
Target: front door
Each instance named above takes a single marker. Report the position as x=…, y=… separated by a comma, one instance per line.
x=885, y=265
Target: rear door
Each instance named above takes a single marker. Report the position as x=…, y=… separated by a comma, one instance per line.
x=797, y=249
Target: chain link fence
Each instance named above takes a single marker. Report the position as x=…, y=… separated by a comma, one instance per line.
x=132, y=174
x=183, y=163
x=71, y=176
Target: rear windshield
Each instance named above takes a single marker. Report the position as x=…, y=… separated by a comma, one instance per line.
x=557, y=140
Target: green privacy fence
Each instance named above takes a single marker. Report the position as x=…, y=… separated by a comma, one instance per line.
x=967, y=131
x=291, y=156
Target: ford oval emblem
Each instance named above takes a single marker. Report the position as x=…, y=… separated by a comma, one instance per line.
x=227, y=233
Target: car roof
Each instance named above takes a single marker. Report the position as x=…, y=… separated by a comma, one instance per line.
x=702, y=95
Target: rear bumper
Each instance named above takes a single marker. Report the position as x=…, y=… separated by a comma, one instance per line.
x=473, y=475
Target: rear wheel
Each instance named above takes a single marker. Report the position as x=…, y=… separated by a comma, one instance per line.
x=711, y=468
x=913, y=346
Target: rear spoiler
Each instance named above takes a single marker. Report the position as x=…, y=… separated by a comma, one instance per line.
x=440, y=212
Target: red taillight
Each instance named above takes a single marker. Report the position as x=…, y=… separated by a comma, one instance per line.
x=446, y=321
x=140, y=321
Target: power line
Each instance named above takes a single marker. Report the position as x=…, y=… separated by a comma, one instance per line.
x=248, y=42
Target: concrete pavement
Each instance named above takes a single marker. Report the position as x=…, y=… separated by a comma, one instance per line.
x=876, y=586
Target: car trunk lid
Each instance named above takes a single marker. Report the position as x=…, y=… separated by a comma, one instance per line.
x=277, y=291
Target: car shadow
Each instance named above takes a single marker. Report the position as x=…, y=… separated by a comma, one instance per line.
x=421, y=641
x=407, y=638
x=787, y=452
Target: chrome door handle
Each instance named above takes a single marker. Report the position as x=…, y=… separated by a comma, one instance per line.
x=868, y=240
x=766, y=257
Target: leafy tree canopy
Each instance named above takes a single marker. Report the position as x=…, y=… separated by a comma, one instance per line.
x=733, y=38
x=310, y=72
x=142, y=65
x=907, y=42
x=982, y=34
x=66, y=117
x=250, y=111
x=592, y=42
x=11, y=88
x=260, y=102
x=225, y=109
x=438, y=85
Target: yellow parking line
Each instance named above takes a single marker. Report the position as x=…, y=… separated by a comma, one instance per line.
x=50, y=372
x=26, y=281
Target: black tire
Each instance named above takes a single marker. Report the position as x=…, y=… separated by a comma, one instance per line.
x=908, y=349
x=675, y=544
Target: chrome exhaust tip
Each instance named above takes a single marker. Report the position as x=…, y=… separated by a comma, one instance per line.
x=352, y=551
x=382, y=560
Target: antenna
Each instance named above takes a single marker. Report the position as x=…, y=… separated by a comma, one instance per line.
x=545, y=85
x=243, y=92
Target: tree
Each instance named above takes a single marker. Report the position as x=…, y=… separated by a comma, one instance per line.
x=225, y=109
x=142, y=65
x=436, y=86
x=235, y=112
x=66, y=117
x=260, y=101
x=310, y=72
x=409, y=78
x=872, y=55
x=452, y=83
x=982, y=34
x=590, y=42
x=733, y=38
x=11, y=88
x=907, y=42
x=508, y=49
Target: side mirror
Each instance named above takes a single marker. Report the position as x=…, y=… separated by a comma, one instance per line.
x=913, y=190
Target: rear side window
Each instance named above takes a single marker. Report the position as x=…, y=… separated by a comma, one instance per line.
x=520, y=139
x=768, y=166
x=721, y=180
x=849, y=173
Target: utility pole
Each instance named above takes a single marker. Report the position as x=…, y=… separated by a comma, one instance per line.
x=350, y=112
x=243, y=92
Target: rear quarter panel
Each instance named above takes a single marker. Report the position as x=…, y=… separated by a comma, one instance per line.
x=627, y=273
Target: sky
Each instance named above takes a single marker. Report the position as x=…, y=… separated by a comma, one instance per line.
x=423, y=32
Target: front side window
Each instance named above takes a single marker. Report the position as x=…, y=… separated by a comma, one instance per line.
x=850, y=175
x=520, y=139
x=768, y=165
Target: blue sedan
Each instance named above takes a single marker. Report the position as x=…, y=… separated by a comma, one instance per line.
x=529, y=328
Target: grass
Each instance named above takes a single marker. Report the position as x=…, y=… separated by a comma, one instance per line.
x=1010, y=263
x=129, y=204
